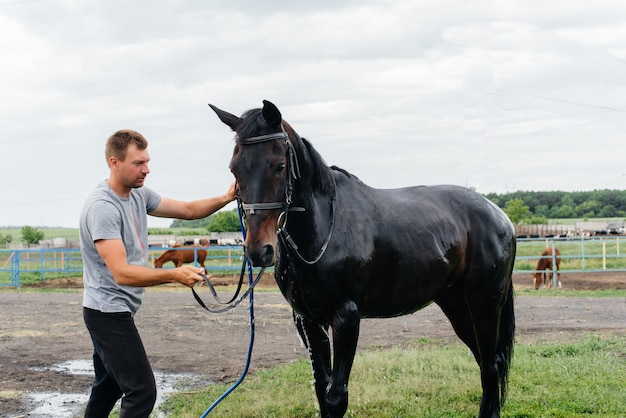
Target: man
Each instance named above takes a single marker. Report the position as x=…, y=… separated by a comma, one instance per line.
x=114, y=243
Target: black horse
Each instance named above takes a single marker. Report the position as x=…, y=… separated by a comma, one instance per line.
x=343, y=250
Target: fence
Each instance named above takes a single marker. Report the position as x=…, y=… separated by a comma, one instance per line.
x=35, y=265
x=578, y=255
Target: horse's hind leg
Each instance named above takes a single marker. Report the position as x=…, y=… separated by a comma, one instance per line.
x=454, y=307
x=316, y=340
x=494, y=324
x=475, y=317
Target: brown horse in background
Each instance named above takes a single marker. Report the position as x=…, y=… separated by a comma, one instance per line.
x=186, y=255
x=545, y=263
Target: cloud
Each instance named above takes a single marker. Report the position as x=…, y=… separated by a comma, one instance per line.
x=492, y=95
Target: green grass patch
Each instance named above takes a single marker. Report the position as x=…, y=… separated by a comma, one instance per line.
x=579, y=379
x=600, y=293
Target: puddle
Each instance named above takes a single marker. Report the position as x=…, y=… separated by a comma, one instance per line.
x=70, y=405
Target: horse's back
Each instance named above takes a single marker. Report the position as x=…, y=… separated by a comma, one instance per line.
x=450, y=215
x=424, y=239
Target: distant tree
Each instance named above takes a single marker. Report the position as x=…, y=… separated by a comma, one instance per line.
x=607, y=211
x=588, y=208
x=542, y=211
x=193, y=223
x=31, y=235
x=5, y=239
x=516, y=210
x=563, y=211
x=537, y=220
x=224, y=221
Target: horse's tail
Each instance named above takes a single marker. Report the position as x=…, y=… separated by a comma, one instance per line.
x=506, y=341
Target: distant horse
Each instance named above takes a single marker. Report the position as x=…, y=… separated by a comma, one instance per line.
x=343, y=250
x=186, y=255
x=545, y=263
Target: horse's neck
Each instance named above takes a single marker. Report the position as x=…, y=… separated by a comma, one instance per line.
x=310, y=218
x=315, y=193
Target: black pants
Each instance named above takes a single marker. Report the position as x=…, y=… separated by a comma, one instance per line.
x=121, y=367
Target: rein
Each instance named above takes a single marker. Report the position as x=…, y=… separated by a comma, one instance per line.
x=293, y=173
x=231, y=304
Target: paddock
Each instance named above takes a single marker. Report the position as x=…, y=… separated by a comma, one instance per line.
x=42, y=329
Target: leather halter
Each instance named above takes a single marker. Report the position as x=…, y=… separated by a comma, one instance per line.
x=293, y=173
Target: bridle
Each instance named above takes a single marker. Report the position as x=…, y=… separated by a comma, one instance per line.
x=293, y=173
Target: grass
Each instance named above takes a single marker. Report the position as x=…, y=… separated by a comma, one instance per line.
x=578, y=379
x=600, y=293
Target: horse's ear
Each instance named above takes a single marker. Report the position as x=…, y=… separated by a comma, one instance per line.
x=228, y=118
x=271, y=114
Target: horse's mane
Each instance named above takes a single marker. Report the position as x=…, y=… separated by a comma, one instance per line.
x=252, y=124
x=322, y=175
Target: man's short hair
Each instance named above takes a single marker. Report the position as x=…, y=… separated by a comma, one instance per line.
x=117, y=144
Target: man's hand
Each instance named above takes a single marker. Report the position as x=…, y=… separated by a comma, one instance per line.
x=232, y=191
x=189, y=275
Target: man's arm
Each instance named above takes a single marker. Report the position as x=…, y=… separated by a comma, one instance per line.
x=196, y=209
x=113, y=253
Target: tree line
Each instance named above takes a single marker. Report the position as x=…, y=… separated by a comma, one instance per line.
x=30, y=235
x=557, y=204
x=521, y=206
x=222, y=221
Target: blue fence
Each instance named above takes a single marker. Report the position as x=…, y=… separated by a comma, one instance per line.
x=581, y=254
x=41, y=263
x=578, y=255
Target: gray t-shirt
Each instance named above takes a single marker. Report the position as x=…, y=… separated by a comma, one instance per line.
x=105, y=215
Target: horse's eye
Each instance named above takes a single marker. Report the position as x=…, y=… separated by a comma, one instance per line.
x=280, y=167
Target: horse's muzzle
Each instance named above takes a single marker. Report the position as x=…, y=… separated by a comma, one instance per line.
x=264, y=256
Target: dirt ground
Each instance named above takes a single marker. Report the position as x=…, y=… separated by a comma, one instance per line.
x=40, y=329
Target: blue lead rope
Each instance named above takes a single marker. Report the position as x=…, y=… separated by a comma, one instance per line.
x=251, y=343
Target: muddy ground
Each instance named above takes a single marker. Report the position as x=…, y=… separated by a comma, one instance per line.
x=40, y=329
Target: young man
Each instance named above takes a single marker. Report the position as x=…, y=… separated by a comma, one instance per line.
x=114, y=244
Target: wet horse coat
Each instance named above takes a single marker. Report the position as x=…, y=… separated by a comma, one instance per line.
x=343, y=250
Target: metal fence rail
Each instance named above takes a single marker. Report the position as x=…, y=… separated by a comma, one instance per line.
x=37, y=264
x=578, y=255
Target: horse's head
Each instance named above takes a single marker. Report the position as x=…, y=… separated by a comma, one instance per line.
x=263, y=165
x=537, y=280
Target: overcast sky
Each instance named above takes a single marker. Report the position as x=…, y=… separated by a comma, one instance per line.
x=496, y=95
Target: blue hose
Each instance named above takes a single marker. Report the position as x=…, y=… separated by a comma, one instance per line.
x=251, y=343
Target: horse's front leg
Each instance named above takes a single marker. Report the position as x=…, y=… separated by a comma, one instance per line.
x=316, y=340
x=345, y=329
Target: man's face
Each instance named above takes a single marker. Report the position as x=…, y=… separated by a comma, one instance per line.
x=134, y=169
